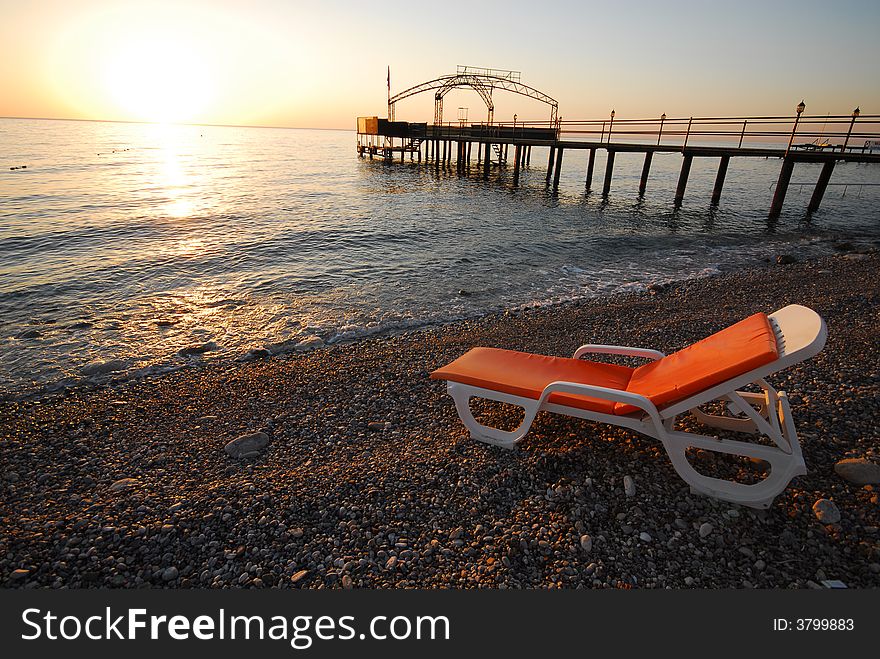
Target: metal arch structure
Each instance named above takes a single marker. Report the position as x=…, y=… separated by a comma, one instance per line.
x=483, y=84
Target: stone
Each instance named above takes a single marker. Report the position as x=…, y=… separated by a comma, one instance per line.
x=169, y=573
x=786, y=259
x=299, y=576
x=11, y=477
x=706, y=529
x=629, y=487
x=688, y=581
x=347, y=582
x=197, y=349
x=309, y=343
x=644, y=537
x=253, y=355
x=19, y=574
x=391, y=563
x=103, y=368
x=826, y=511
x=29, y=334
x=124, y=484
x=247, y=446
x=586, y=543
x=376, y=426
x=858, y=471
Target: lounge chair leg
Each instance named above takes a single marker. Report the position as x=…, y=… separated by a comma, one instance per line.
x=783, y=467
x=462, y=395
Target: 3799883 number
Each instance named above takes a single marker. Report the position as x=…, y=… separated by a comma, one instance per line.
x=825, y=624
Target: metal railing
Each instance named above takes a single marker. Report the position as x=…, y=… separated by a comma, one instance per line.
x=850, y=133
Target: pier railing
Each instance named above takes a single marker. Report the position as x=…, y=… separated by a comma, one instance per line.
x=842, y=133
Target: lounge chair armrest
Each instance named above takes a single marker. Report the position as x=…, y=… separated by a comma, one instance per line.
x=599, y=349
x=606, y=393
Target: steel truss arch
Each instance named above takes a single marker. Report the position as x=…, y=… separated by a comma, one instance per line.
x=484, y=85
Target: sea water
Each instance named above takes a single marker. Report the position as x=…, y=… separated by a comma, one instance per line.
x=122, y=244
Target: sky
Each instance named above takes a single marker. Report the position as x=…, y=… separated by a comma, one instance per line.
x=321, y=64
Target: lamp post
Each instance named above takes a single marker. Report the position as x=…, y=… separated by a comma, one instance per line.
x=800, y=110
x=514, y=126
x=855, y=115
x=610, y=126
x=660, y=133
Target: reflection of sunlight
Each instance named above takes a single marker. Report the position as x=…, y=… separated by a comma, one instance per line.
x=185, y=247
x=175, y=184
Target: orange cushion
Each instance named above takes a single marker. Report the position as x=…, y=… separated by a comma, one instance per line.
x=733, y=351
x=526, y=375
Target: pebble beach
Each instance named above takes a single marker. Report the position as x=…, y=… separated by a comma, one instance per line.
x=352, y=469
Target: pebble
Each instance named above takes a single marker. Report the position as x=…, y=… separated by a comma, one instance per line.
x=309, y=343
x=298, y=576
x=586, y=543
x=254, y=354
x=858, y=471
x=123, y=484
x=19, y=574
x=644, y=537
x=103, y=367
x=689, y=581
x=247, y=446
x=629, y=487
x=826, y=511
x=169, y=574
x=706, y=529
x=197, y=349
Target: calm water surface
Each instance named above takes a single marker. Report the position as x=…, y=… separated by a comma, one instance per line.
x=124, y=243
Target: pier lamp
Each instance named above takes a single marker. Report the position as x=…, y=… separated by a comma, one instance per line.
x=660, y=133
x=610, y=126
x=855, y=115
x=800, y=110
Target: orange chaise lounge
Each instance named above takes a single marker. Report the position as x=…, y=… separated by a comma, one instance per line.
x=649, y=398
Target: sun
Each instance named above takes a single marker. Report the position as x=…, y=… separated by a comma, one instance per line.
x=159, y=80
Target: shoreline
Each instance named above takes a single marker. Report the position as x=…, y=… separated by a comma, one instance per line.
x=370, y=480
x=106, y=372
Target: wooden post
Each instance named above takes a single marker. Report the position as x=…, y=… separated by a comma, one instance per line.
x=529, y=156
x=486, y=160
x=719, y=180
x=609, y=170
x=550, y=163
x=683, y=178
x=590, y=165
x=558, y=168
x=469, y=153
x=516, y=162
x=781, y=186
x=420, y=153
x=821, y=184
x=646, y=169
x=479, y=152
x=402, y=152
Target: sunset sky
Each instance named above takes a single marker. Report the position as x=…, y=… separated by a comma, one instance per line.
x=321, y=64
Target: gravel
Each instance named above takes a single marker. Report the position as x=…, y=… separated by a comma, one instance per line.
x=330, y=503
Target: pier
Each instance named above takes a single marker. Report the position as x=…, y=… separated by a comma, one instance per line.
x=799, y=138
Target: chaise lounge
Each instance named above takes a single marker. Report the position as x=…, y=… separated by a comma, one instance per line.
x=649, y=398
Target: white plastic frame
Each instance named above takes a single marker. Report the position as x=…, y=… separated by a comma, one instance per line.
x=800, y=334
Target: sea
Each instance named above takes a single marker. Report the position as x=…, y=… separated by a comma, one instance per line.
x=131, y=249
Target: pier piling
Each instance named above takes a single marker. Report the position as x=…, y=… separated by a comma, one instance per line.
x=550, y=162
x=591, y=162
x=486, y=160
x=821, y=185
x=683, y=178
x=559, y=153
x=646, y=169
x=719, y=180
x=609, y=171
x=517, y=157
x=782, y=186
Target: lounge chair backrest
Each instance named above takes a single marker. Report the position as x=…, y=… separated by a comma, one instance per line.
x=735, y=350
